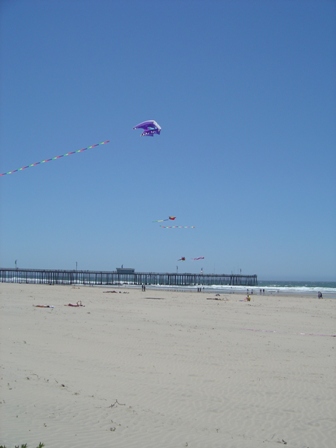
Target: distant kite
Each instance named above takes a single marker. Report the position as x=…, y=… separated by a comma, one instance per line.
x=177, y=227
x=54, y=158
x=181, y=259
x=170, y=218
x=150, y=127
x=198, y=258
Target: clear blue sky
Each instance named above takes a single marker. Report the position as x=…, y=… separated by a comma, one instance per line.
x=245, y=93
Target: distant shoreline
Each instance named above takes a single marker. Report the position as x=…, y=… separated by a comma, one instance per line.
x=260, y=291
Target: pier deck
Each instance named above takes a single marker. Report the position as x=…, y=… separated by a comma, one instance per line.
x=71, y=277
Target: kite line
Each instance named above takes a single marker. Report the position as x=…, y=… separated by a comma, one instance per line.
x=55, y=158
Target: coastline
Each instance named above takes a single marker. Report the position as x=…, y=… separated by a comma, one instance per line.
x=268, y=291
x=165, y=368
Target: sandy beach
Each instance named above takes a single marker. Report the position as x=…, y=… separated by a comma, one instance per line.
x=165, y=369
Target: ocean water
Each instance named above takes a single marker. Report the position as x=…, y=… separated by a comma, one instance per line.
x=295, y=284
x=328, y=289
x=295, y=288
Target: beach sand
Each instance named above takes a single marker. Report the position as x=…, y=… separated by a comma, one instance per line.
x=165, y=369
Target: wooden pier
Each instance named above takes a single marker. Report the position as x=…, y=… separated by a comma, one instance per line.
x=73, y=277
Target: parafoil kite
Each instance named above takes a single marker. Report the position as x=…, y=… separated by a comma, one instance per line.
x=170, y=218
x=54, y=158
x=150, y=127
x=181, y=259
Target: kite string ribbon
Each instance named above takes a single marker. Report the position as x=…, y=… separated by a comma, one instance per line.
x=177, y=227
x=170, y=218
x=54, y=158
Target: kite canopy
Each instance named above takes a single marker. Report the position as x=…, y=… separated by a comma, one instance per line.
x=150, y=127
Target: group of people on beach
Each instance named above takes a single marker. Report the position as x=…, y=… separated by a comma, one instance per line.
x=77, y=304
x=143, y=287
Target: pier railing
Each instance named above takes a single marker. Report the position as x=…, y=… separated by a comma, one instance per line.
x=72, y=277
